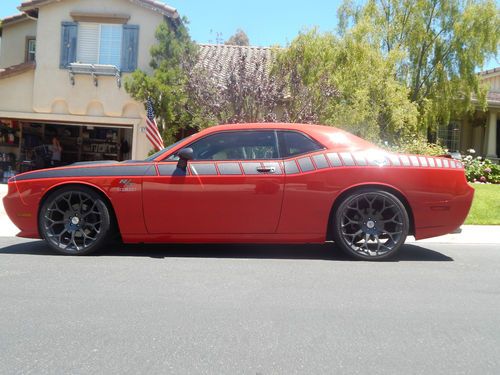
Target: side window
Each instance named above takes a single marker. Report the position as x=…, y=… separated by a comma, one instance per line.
x=237, y=145
x=30, y=49
x=295, y=143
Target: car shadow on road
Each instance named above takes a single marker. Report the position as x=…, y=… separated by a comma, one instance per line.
x=408, y=252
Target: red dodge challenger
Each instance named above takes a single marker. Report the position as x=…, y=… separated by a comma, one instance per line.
x=247, y=183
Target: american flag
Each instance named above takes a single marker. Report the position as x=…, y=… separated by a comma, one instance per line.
x=152, y=131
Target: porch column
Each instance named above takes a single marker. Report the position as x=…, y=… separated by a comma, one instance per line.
x=491, y=146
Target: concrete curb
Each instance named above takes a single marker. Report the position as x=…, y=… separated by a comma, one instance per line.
x=471, y=234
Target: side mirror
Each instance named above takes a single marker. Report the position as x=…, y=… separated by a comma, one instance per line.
x=184, y=155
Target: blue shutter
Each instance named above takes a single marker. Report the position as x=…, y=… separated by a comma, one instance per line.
x=130, y=48
x=69, y=31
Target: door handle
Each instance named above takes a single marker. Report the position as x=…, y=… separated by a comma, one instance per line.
x=265, y=169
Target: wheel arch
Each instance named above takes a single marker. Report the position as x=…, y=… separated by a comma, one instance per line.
x=93, y=187
x=351, y=189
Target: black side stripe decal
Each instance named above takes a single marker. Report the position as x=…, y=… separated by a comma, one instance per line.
x=101, y=171
x=289, y=167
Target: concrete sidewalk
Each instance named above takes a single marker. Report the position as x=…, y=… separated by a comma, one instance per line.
x=471, y=234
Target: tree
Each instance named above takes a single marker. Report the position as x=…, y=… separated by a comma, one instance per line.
x=247, y=94
x=239, y=38
x=252, y=92
x=172, y=58
x=438, y=46
x=349, y=84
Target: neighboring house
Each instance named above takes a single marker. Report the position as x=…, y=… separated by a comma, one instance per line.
x=62, y=63
x=220, y=59
x=480, y=130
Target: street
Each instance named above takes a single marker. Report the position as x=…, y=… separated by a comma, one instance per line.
x=233, y=309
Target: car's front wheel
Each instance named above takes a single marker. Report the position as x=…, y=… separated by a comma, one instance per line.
x=75, y=220
x=370, y=224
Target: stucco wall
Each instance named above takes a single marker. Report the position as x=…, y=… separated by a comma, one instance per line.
x=80, y=95
x=16, y=92
x=14, y=42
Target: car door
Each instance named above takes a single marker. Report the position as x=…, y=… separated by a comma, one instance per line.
x=307, y=198
x=233, y=185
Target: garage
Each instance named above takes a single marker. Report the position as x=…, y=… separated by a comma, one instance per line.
x=27, y=145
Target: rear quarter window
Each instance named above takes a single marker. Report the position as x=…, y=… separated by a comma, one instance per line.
x=294, y=143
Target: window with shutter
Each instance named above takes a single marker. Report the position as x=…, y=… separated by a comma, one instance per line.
x=95, y=43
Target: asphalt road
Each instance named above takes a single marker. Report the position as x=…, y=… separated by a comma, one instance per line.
x=249, y=310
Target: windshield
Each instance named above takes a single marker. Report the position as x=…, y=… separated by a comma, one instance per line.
x=161, y=152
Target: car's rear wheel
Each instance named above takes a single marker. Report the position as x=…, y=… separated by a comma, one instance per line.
x=370, y=224
x=75, y=220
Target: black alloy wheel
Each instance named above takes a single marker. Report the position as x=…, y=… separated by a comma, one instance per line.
x=371, y=224
x=75, y=221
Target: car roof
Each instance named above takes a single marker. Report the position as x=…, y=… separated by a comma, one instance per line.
x=329, y=136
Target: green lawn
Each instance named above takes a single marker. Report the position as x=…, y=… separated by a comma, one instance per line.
x=485, y=206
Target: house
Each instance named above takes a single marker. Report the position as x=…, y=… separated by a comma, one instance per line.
x=62, y=63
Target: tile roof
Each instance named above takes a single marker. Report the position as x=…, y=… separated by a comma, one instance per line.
x=219, y=59
x=154, y=5
x=16, y=69
x=159, y=5
x=14, y=18
x=493, y=97
x=490, y=71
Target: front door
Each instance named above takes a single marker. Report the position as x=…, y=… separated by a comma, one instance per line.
x=234, y=185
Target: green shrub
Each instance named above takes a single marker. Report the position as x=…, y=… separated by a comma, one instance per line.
x=479, y=170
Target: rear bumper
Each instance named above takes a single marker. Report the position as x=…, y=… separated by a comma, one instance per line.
x=438, y=218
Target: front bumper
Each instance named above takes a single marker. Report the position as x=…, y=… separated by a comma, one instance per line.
x=21, y=214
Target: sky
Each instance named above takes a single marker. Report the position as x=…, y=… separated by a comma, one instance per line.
x=266, y=22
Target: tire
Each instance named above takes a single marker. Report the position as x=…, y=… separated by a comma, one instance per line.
x=75, y=220
x=370, y=224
